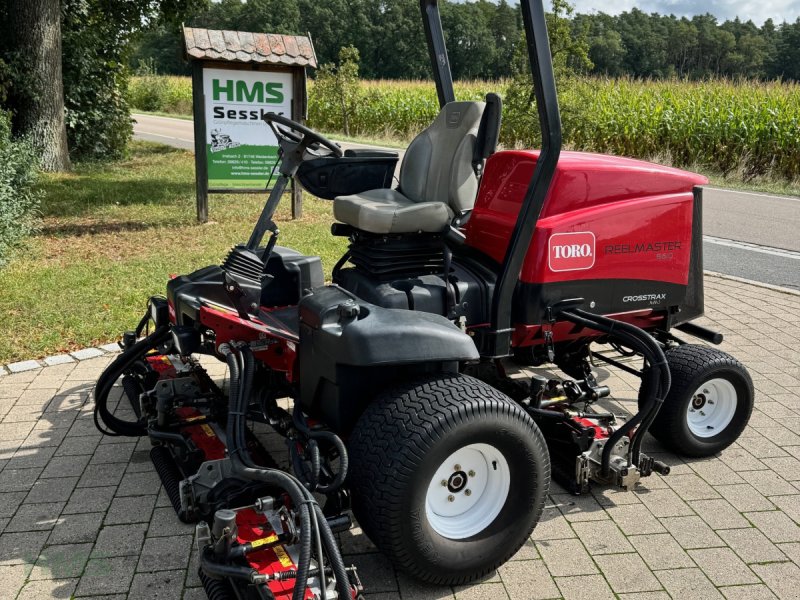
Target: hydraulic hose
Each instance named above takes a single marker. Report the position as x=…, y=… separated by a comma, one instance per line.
x=650, y=386
x=316, y=464
x=320, y=555
x=344, y=461
x=337, y=563
x=132, y=390
x=329, y=436
x=215, y=569
x=300, y=498
x=655, y=379
x=545, y=414
x=234, y=381
x=307, y=503
x=114, y=425
x=242, y=463
x=658, y=392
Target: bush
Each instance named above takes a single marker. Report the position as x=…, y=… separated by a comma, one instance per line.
x=95, y=81
x=337, y=88
x=148, y=91
x=159, y=93
x=19, y=201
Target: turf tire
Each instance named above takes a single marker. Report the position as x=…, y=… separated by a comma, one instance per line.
x=691, y=366
x=395, y=450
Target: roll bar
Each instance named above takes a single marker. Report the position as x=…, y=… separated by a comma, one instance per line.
x=438, y=51
x=497, y=341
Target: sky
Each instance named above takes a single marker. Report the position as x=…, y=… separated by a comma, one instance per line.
x=757, y=10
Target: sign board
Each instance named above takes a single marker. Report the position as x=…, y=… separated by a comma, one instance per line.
x=241, y=149
x=238, y=77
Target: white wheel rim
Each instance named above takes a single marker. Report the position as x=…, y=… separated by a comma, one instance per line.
x=711, y=408
x=468, y=491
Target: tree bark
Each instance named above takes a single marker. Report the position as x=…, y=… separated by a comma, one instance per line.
x=38, y=99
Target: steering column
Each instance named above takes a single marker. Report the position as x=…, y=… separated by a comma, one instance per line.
x=297, y=144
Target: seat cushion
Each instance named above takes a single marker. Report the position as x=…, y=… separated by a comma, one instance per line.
x=389, y=211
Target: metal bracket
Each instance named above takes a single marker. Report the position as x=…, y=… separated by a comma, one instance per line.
x=167, y=389
x=194, y=489
x=620, y=475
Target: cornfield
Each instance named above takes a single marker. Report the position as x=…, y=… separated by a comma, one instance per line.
x=722, y=125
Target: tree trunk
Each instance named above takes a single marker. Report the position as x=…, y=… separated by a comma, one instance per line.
x=35, y=27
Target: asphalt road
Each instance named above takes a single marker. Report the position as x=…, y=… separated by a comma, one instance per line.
x=166, y=130
x=748, y=235
x=754, y=236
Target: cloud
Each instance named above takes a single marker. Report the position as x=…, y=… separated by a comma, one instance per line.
x=756, y=10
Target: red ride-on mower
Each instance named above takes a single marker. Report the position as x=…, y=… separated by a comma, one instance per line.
x=399, y=404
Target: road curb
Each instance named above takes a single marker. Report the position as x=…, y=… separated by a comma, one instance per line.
x=76, y=356
x=769, y=286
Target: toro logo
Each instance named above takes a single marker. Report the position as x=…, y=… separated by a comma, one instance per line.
x=571, y=251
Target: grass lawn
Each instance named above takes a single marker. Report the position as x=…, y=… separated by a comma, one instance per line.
x=111, y=236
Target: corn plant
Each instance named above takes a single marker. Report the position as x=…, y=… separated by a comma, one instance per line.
x=724, y=125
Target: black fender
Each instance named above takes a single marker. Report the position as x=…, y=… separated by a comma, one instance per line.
x=350, y=350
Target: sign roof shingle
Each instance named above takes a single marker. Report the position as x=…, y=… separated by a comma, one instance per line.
x=245, y=47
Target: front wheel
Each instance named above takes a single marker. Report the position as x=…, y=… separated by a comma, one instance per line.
x=448, y=476
x=709, y=402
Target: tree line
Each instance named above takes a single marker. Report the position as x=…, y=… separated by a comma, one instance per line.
x=483, y=36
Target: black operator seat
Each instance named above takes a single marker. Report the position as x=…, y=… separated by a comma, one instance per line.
x=438, y=178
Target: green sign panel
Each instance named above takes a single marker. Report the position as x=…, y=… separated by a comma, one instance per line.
x=240, y=148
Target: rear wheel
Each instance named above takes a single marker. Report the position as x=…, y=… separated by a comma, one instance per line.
x=709, y=403
x=448, y=476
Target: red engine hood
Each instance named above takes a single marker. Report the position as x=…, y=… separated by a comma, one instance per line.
x=613, y=200
x=581, y=180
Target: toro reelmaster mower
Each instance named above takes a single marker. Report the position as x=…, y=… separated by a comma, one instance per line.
x=399, y=405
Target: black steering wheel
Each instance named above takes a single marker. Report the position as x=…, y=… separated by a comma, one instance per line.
x=295, y=133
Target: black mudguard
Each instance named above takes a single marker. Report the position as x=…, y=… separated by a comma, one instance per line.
x=350, y=350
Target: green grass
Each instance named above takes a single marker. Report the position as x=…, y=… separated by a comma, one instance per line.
x=111, y=236
x=765, y=185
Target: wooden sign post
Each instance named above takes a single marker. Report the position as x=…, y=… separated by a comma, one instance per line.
x=237, y=77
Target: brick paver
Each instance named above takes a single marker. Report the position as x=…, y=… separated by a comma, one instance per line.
x=84, y=516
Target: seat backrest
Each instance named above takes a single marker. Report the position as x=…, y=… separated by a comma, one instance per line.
x=438, y=165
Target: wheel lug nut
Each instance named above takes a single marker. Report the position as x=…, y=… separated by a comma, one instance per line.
x=468, y=492
x=471, y=473
x=451, y=498
x=444, y=482
x=705, y=391
x=702, y=413
x=457, y=468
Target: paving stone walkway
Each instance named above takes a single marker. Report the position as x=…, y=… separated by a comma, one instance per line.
x=84, y=516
